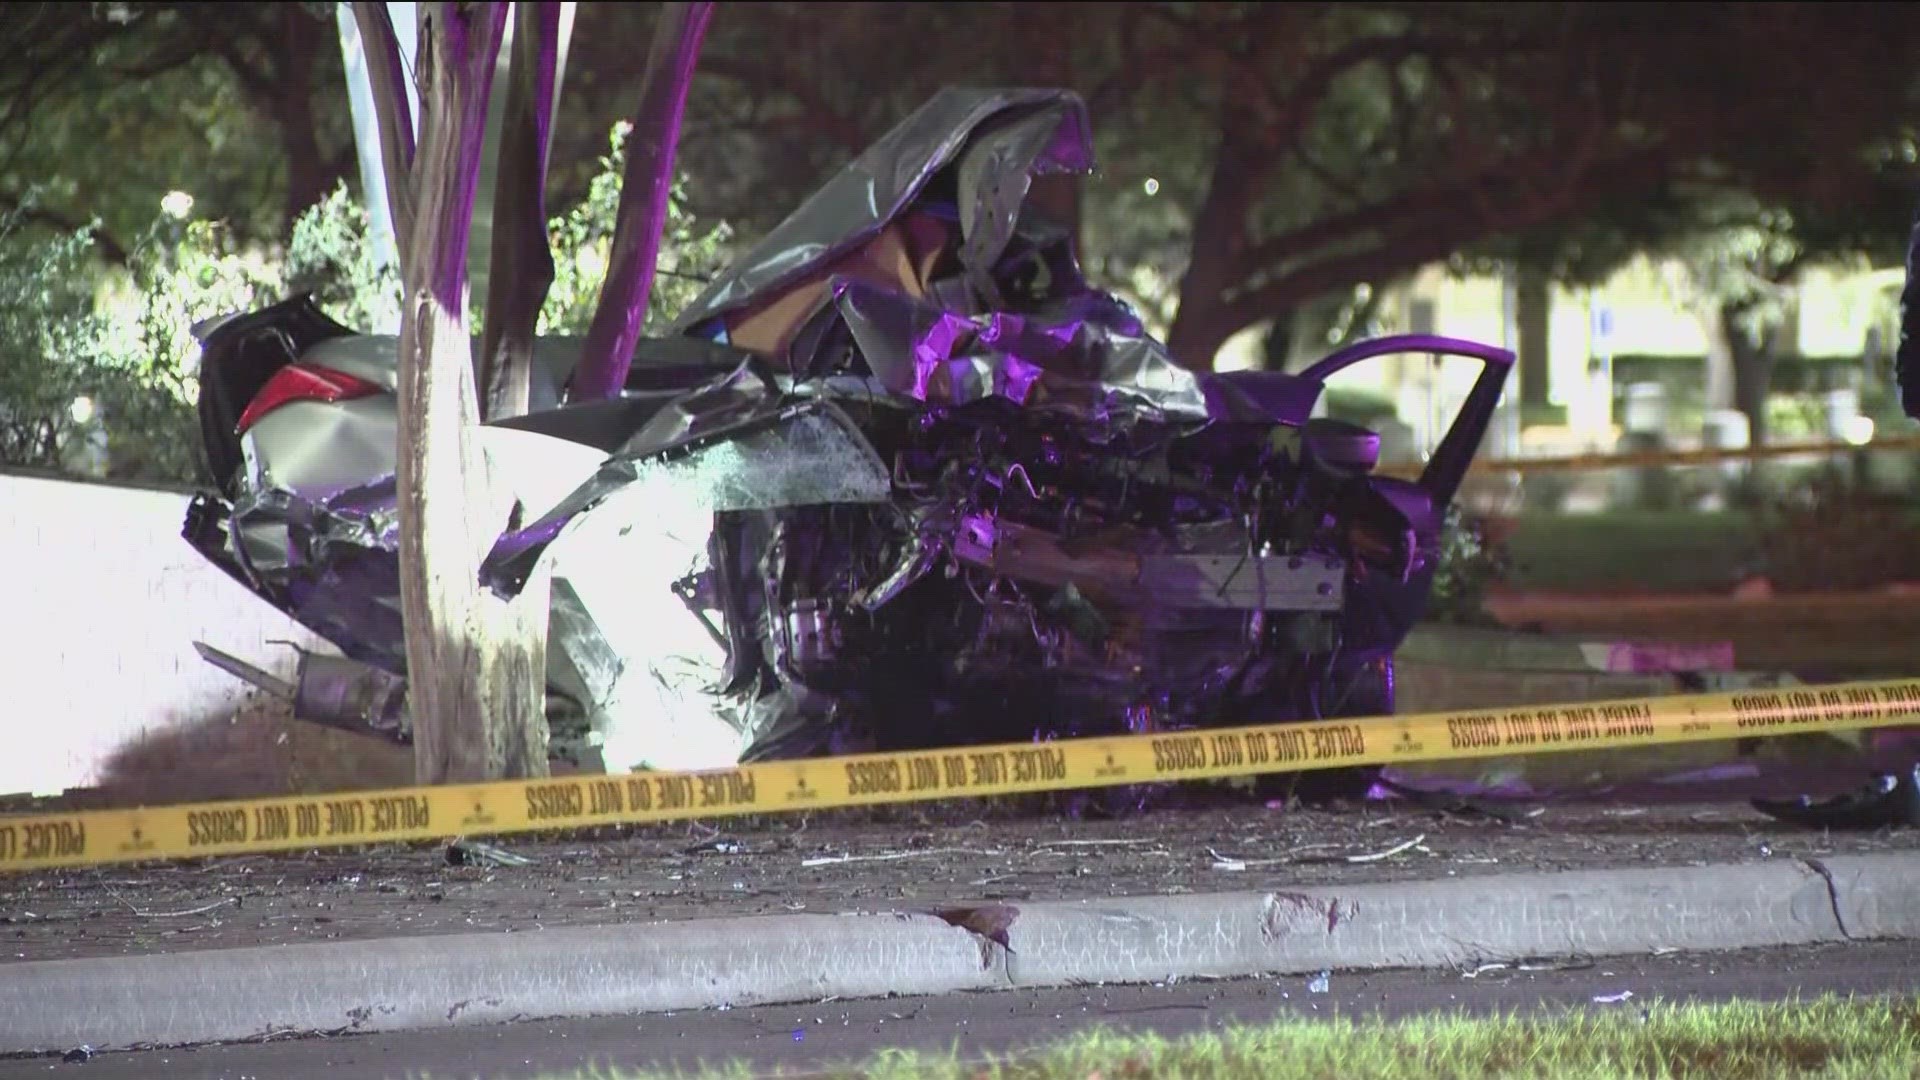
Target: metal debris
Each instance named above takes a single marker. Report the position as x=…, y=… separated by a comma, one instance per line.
x=464, y=852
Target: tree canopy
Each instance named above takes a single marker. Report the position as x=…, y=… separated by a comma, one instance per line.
x=1256, y=157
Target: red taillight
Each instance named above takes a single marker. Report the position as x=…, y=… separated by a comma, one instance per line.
x=303, y=382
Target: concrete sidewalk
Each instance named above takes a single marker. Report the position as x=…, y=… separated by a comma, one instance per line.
x=423, y=982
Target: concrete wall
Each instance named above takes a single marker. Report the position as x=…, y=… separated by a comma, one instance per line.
x=104, y=600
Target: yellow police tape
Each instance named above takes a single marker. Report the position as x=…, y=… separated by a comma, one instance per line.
x=31, y=842
x=1646, y=459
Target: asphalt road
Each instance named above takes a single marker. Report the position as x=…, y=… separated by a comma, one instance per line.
x=797, y=1038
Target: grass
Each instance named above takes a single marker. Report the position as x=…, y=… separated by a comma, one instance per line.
x=1656, y=551
x=1830, y=1037
x=1643, y=551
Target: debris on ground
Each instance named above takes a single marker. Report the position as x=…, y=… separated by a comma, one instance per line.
x=464, y=852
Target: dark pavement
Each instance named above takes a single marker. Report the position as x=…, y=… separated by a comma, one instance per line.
x=796, y=1038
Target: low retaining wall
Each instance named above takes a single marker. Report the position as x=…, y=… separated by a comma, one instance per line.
x=105, y=600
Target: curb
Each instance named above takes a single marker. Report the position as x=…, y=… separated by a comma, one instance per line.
x=1446, y=923
x=407, y=983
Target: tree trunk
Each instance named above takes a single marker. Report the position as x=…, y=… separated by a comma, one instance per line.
x=310, y=174
x=1196, y=338
x=521, y=260
x=1201, y=324
x=1204, y=320
x=621, y=314
x=476, y=689
x=1533, y=304
x=1276, y=346
x=1720, y=360
x=1752, y=369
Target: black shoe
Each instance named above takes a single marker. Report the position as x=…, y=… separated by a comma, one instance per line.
x=1888, y=800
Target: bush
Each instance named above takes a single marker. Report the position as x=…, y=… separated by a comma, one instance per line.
x=1357, y=405
x=133, y=368
x=332, y=256
x=48, y=337
x=1471, y=563
x=120, y=339
x=690, y=253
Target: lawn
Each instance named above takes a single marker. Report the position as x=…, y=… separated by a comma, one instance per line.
x=1636, y=551
x=1829, y=1037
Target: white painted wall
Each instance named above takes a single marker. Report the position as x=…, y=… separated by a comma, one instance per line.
x=104, y=600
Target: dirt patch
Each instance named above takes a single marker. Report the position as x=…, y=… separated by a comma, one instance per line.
x=932, y=858
x=253, y=752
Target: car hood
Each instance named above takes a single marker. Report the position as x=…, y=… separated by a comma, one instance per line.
x=877, y=187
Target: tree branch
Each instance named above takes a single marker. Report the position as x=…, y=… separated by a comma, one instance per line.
x=620, y=314
x=1476, y=193
x=521, y=260
x=1303, y=96
x=820, y=117
x=1420, y=228
x=103, y=242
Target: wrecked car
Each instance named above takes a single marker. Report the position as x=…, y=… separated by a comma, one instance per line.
x=899, y=477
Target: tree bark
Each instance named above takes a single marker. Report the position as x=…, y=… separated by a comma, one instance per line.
x=1203, y=322
x=476, y=690
x=310, y=174
x=1277, y=347
x=1721, y=338
x=1752, y=371
x=1198, y=335
x=521, y=259
x=621, y=313
x=1533, y=301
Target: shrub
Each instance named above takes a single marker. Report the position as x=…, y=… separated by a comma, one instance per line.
x=48, y=334
x=690, y=253
x=120, y=339
x=1471, y=563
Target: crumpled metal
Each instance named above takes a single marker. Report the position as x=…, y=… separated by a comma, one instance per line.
x=1051, y=132
x=803, y=452
x=1082, y=361
x=896, y=299
x=638, y=648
